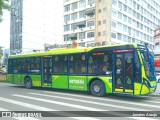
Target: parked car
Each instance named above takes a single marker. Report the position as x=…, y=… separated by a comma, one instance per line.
x=158, y=77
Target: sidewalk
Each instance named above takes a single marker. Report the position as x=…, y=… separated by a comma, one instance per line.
x=2, y=77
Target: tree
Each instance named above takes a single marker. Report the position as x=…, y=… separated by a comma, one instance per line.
x=4, y=5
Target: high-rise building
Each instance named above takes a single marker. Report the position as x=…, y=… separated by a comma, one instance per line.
x=102, y=22
x=35, y=23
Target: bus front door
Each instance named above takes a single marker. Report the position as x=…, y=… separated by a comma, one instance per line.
x=123, y=72
x=47, y=71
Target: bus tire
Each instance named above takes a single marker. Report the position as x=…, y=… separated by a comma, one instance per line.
x=97, y=88
x=28, y=83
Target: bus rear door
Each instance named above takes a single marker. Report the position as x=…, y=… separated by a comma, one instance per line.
x=47, y=71
x=123, y=72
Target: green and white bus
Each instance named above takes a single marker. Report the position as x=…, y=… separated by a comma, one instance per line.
x=126, y=69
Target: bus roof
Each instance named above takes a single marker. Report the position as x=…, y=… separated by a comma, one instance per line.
x=66, y=51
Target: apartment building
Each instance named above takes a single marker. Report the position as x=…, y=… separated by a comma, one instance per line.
x=101, y=22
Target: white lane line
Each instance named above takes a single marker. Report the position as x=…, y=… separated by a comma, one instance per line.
x=60, y=103
x=26, y=104
x=143, y=118
x=18, y=118
x=2, y=109
x=37, y=107
x=105, y=99
x=91, y=102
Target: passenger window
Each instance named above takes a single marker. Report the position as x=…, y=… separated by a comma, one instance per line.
x=100, y=63
x=78, y=64
x=60, y=64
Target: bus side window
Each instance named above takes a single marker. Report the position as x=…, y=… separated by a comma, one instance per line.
x=78, y=64
x=10, y=66
x=35, y=64
x=60, y=64
x=100, y=63
x=17, y=65
x=25, y=65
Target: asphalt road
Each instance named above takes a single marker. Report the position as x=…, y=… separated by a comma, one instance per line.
x=75, y=104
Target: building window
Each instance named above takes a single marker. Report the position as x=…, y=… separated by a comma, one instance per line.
x=125, y=28
x=66, y=18
x=113, y=35
x=119, y=36
x=66, y=27
x=90, y=2
x=124, y=18
x=114, y=24
x=74, y=5
x=120, y=15
x=129, y=20
x=90, y=23
x=125, y=8
x=104, y=33
x=104, y=21
x=66, y=8
x=82, y=3
x=114, y=2
x=82, y=14
x=82, y=35
x=99, y=10
x=104, y=9
x=73, y=26
x=99, y=22
x=114, y=13
x=120, y=5
x=99, y=33
x=119, y=26
x=74, y=16
x=66, y=38
x=99, y=0
x=90, y=34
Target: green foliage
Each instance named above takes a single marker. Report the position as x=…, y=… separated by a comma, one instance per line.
x=4, y=5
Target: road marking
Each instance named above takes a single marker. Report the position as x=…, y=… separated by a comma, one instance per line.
x=26, y=104
x=2, y=109
x=38, y=107
x=60, y=103
x=104, y=99
x=73, y=105
x=91, y=102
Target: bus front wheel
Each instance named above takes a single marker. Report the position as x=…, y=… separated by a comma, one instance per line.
x=97, y=88
x=28, y=83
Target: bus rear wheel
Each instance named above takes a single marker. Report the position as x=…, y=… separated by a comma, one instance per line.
x=28, y=83
x=97, y=88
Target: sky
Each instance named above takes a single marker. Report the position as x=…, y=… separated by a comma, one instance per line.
x=5, y=30
x=52, y=23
